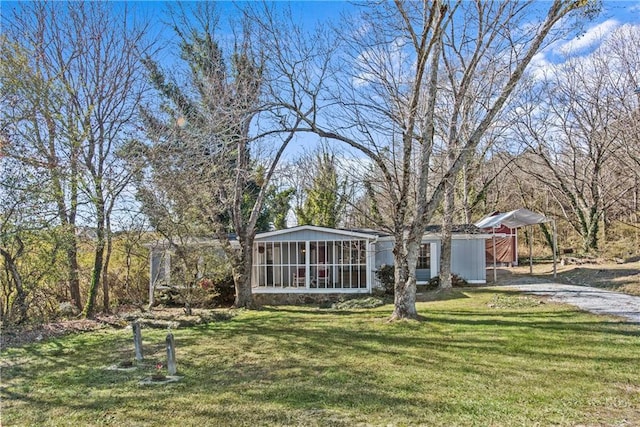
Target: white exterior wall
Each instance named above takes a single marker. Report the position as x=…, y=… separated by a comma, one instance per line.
x=468, y=259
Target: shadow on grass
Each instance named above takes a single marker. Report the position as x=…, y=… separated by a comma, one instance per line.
x=442, y=295
x=393, y=339
x=304, y=382
x=309, y=360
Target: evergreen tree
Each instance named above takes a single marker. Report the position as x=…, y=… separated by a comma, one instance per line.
x=326, y=198
x=202, y=177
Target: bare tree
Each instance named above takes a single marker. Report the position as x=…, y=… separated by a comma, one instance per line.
x=110, y=48
x=572, y=123
x=380, y=96
x=71, y=126
x=35, y=120
x=471, y=77
x=624, y=46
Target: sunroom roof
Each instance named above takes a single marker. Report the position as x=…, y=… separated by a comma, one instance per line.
x=369, y=234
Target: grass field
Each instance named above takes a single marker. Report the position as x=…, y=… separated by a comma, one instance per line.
x=479, y=357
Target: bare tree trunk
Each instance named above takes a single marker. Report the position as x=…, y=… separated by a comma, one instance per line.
x=405, y=280
x=242, y=276
x=105, y=268
x=68, y=219
x=590, y=240
x=465, y=194
x=89, y=309
x=73, y=276
x=447, y=224
x=20, y=301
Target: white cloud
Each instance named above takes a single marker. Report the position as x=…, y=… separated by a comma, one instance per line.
x=539, y=65
x=589, y=39
x=635, y=8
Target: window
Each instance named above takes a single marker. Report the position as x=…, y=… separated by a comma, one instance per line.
x=325, y=264
x=424, y=257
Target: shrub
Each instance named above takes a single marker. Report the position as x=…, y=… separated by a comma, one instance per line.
x=368, y=302
x=206, y=293
x=220, y=291
x=386, y=275
x=169, y=297
x=456, y=282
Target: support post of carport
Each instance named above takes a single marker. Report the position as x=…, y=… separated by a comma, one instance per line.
x=555, y=247
x=516, y=219
x=531, y=249
x=495, y=272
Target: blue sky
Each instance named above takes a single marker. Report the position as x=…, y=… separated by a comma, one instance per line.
x=313, y=11
x=614, y=14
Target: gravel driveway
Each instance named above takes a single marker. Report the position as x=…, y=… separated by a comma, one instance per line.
x=594, y=300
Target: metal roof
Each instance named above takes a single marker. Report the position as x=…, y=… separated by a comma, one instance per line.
x=513, y=219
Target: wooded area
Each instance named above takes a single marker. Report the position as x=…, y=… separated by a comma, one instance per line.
x=433, y=112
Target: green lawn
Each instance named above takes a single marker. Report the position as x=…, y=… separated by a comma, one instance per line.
x=481, y=357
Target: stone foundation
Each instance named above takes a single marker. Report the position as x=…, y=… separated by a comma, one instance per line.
x=303, y=299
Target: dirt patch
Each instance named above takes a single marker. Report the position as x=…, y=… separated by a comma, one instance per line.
x=514, y=301
x=159, y=317
x=19, y=336
x=176, y=318
x=623, y=277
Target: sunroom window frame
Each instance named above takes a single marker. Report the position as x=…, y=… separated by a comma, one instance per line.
x=358, y=263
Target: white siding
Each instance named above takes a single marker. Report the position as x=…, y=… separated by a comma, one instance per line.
x=384, y=253
x=468, y=259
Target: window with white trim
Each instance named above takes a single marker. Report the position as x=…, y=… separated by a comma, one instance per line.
x=424, y=257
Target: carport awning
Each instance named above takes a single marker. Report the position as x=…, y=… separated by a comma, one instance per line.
x=513, y=219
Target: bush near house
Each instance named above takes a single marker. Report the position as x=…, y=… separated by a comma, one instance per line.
x=207, y=293
x=386, y=276
x=220, y=292
x=456, y=282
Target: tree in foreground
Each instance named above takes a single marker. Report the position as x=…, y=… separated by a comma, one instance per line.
x=379, y=92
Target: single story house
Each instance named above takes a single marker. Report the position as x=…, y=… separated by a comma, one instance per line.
x=318, y=260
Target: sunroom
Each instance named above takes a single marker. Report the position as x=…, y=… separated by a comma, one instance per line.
x=310, y=259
